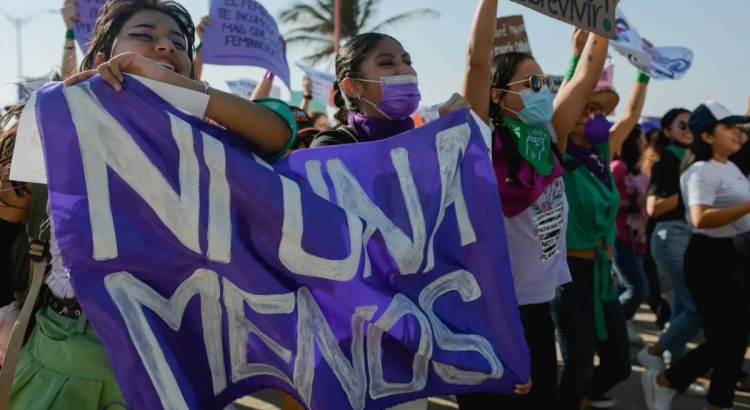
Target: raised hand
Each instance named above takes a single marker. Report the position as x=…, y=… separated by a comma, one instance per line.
x=112, y=71
x=205, y=22
x=580, y=36
x=307, y=85
x=69, y=13
x=455, y=103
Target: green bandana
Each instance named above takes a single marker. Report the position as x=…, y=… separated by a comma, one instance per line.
x=534, y=145
x=677, y=151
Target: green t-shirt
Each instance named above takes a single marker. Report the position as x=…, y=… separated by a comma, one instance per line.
x=592, y=211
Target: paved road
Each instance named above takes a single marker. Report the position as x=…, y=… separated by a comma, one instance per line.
x=628, y=394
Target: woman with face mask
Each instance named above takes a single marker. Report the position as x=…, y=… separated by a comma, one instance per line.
x=63, y=365
x=511, y=93
x=717, y=197
x=587, y=311
x=670, y=238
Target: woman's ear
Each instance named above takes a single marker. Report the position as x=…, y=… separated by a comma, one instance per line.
x=99, y=59
x=496, y=95
x=349, y=88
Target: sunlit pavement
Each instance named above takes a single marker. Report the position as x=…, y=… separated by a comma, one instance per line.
x=629, y=394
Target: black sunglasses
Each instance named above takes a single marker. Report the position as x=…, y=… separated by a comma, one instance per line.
x=536, y=82
x=682, y=125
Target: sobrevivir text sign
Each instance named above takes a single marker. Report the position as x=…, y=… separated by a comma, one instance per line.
x=243, y=33
x=356, y=277
x=597, y=16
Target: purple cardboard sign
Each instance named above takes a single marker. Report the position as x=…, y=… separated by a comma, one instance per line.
x=243, y=33
x=88, y=12
x=352, y=277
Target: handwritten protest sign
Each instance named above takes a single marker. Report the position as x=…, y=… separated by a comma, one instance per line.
x=88, y=12
x=511, y=36
x=243, y=33
x=357, y=276
x=597, y=16
x=322, y=83
x=658, y=62
x=244, y=88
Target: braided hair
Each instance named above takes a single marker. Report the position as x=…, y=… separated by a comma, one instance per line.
x=504, y=68
x=348, y=60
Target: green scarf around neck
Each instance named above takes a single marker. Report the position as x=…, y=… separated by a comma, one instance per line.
x=534, y=145
x=678, y=152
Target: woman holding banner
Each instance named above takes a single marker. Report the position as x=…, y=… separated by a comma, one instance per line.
x=511, y=93
x=587, y=311
x=63, y=365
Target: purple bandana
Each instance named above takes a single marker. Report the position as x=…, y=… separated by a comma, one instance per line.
x=590, y=158
x=374, y=129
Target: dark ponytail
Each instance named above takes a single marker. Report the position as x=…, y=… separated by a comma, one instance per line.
x=348, y=60
x=504, y=68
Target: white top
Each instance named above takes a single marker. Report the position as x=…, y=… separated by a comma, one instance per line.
x=536, y=242
x=718, y=185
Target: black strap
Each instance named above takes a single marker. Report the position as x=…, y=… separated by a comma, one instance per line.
x=348, y=131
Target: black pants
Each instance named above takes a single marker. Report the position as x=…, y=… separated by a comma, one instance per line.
x=573, y=310
x=540, y=337
x=711, y=267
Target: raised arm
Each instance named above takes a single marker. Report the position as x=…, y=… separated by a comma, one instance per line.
x=478, y=74
x=572, y=98
x=69, y=65
x=198, y=60
x=263, y=89
x=632, y=113
x=307, y=95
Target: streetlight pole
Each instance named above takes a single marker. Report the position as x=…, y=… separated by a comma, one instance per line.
x=336, y=25
x=18, y=23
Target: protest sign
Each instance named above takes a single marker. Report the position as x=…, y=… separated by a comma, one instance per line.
x=243, y=33
x=596, y=16
x=510, y=36
x=244, y=88
x=357, y=276
x=322, y=83
x=658, y=62
x=88, y=12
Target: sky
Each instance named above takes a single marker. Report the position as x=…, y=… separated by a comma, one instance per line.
x=716, y=31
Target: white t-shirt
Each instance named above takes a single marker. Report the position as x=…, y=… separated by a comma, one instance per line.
x=536, y=243
x=718, y=185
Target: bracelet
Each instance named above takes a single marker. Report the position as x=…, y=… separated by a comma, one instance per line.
x=199, y=48
x=269, y=76
x=572, y=64
x=70, y=35
x=642, y=77
x=307, y=97
x=69, y=48
x=205, y=87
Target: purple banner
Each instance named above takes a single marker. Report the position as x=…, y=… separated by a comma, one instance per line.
x=243, y=33
x=88, y=12
x=358, y=276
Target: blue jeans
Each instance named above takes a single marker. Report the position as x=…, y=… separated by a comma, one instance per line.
x=668, y=245
x=573, y=311
x=631, y=277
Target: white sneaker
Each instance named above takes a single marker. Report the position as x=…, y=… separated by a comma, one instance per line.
x=649, y=361
x=697, y=390
x=602, y=402
x=633, y=335
x=657, y=397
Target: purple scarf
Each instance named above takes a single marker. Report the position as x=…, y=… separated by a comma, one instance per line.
x=528, y=186
x=373, y=129
x=590, y=158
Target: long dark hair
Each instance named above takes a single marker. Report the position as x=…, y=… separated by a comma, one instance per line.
x=629, y=152
x=115, y=13
x=504, y=67
x=662, y=140
x=700, y=150
x=348, y=61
